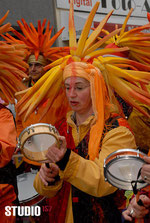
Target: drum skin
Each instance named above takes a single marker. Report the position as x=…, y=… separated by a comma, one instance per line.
x=27, y=195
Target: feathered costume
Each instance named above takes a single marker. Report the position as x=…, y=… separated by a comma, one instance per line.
x=12, y=66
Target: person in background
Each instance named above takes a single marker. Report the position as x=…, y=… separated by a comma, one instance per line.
x=36, y=70
x=37, y=56
x=40, y=52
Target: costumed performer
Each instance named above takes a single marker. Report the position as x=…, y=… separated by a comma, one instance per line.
x=84, y=170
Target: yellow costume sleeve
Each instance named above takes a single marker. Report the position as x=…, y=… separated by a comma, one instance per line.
x=47, y=191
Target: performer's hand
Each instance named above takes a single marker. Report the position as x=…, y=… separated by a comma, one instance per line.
x=48, y=174
x=136, y=211
x=145, y=171
x=54, y=153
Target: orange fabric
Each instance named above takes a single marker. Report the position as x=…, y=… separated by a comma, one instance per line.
x=7, y=136
x=7, y=194
x=76, y=69
x=6, y=219
x=119, y=54
x=100, y=100
x=7, y=147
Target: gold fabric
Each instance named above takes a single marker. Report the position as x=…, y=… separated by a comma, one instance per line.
x=141, y=128
x=140, y=125
x=40, y=60
x=79, y=134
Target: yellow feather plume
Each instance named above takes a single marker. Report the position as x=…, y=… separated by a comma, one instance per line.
x=12, y=66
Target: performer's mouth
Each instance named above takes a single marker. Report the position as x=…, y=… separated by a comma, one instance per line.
x=74, y=103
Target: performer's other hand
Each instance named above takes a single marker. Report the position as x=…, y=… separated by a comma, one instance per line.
x=136, y=211
x=48, y=174
x=54, y=153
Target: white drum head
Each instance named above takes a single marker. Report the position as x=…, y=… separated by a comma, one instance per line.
x=40, y=142
x=123, y=169
x=26, y=191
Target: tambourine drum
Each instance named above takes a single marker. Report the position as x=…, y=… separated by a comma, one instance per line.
x=27, y=195
x=121, y=168
x=35, y=140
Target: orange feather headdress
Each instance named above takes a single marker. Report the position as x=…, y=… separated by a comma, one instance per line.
x=12, y=66
x=86, y=53
x=38, y=42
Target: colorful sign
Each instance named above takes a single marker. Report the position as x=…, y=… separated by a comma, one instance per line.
x=120, y=7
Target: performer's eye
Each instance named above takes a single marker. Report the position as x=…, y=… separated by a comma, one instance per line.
x=79, y=88
x=67, y=88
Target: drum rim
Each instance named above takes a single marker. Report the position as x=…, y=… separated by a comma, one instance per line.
x=29, y=199
x=31, y=202
x=123, y=150
x=34, y=125
x=52, y=131
x=37, y=160
x=123, y=186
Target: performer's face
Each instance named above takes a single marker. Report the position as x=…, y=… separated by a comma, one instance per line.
x=78, y=94
x=35, y=71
